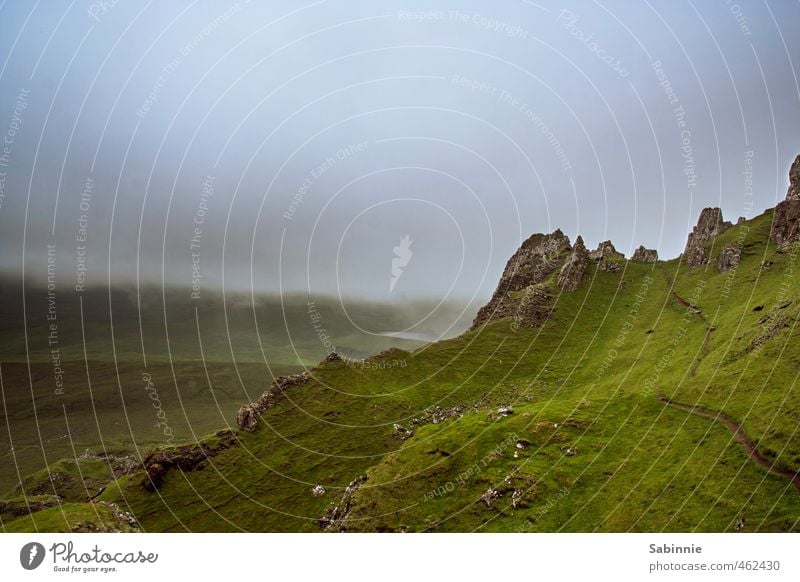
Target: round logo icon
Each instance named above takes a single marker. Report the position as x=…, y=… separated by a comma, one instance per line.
x=31, y=555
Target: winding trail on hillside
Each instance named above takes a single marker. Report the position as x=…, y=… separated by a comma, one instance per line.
x=739, y=436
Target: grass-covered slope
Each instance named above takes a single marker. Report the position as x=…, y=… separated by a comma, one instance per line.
x=175, y=370
x=587, y=444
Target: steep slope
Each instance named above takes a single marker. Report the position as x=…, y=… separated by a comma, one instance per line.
x=600, y=451
x=548, y=415
x=171, y=372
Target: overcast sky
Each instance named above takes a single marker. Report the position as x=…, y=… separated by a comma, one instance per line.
x=300, y=142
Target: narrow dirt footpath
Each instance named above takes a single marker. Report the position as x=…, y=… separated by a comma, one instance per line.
x=740, y=437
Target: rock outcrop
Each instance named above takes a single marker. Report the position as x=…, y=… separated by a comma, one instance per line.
x=786, y=220
x=709, y=226
x=643, y=255
x=730, y=256
x=786, y=223
x=572, y=272
x=606, y=250
x=336, y=516
x=538, y=257
x=185, y=458
x=610, y=267
x=247, y=417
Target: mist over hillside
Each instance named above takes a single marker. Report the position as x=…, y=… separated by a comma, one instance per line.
x=293, y=318
x=104, y=352
x=460, y=266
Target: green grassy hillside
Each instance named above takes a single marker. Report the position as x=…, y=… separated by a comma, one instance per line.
x=173, y=370
x=509, y=428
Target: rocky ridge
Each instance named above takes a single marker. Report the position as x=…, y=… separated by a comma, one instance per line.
x=538, y=257
x=247, y=417
x=525, y=295
x=184, y=458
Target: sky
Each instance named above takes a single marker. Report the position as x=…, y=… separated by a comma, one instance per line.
x=390, y=150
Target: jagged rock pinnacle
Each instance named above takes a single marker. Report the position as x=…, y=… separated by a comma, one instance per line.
x=572, y=272
x=538, y=257
x=709, y=225
x=525, y=291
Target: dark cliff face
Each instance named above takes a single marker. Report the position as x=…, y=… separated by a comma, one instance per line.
x=538, y=257
x=786, y=220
